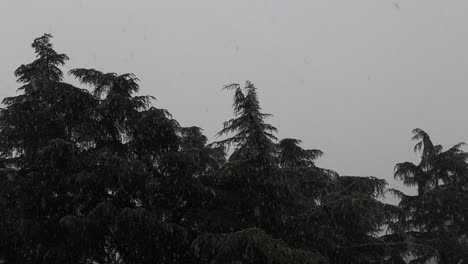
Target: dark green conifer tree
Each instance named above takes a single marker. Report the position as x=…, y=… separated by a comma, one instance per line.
x=435, y=221
x=268, y=190
x=77, y=169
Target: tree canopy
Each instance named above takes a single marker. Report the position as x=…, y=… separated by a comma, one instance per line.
x=104, y=176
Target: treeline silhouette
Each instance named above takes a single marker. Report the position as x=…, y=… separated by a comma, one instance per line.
x=103, y=176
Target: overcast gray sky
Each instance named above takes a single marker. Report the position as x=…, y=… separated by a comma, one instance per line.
x=352, y=78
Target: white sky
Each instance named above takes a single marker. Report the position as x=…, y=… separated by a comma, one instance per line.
x=352, y=78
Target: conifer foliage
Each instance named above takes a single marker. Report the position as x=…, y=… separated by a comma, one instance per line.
x=436, y=216
x=103, y=176
x=253, y=138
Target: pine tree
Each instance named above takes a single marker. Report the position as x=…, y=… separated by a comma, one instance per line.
x=75, y=177
x=435, y=217
x=253, y=138
x=420, y=175
x=48, y=107
x=333, y=217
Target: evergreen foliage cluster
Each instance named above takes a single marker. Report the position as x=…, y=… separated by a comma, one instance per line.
x=103, y=176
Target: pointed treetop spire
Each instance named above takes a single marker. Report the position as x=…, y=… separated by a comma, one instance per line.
x=253, y=138
x=46, y=65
